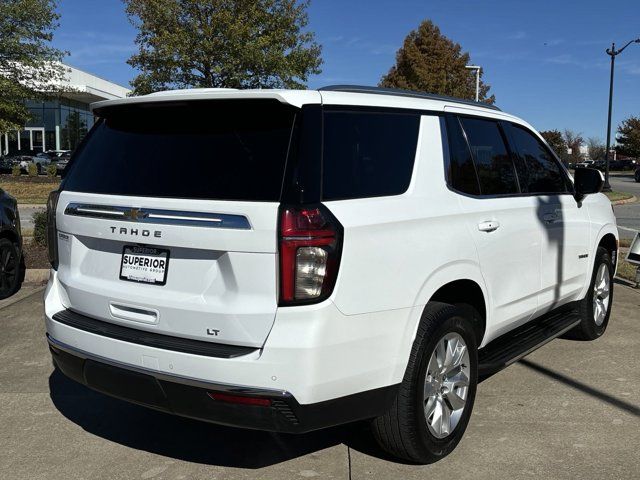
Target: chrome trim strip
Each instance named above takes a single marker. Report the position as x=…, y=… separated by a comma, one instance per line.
x=169, y=377
x=159, y=217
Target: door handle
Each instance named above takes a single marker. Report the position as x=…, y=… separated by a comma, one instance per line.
x=489, y=226
x=133, y=313
x=550, y=217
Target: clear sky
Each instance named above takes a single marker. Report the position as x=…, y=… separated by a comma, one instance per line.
x=545, y=60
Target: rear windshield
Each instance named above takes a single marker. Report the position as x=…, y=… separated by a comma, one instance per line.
x=223, y=150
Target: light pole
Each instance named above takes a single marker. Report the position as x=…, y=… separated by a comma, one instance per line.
x=477, y=69
x=612, y=52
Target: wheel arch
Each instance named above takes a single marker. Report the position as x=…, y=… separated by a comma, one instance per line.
x=10, y=235
x=449, y=284
x=607, y=237
x=609, y=242
x=465, y=292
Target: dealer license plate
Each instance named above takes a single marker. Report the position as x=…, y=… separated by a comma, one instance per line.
x=144, y=264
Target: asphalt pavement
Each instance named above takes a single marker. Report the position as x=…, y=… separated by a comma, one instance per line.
x=628, y=215
x=570, y=410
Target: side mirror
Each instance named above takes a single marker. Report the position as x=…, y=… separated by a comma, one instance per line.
x=586, y=181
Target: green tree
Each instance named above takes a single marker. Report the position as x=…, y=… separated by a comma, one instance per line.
x=556, y=141
x=596, y=148
x=430, y=62
x=73, y=131
x=628, y=137
x=222, y=43
x=29, y=65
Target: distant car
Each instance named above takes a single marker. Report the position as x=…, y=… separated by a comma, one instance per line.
x=11, y=258
x=6, y=164
x=41, y=159
x=20, y=160
x=585, y=164
x=637, y=174
x=627, y=164
x=57, y=153
x=62, y=162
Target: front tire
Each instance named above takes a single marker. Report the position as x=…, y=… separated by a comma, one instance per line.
x=433, y=407
x=595, y=308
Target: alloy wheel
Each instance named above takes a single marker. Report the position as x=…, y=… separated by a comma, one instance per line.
x=601, y=294
x=9, y=264
x=446, y=385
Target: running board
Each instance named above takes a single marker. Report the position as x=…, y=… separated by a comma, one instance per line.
x=511, y=347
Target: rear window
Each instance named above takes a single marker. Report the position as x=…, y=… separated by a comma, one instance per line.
x=367, y=153
x=496, y=171
x=223, y=150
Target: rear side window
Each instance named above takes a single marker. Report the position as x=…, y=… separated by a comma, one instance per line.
x=462, y=172
x=224, y=150
x=495, y=168
x=367, y=154
x=541, y=174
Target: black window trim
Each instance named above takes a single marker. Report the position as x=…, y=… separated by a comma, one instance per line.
x=446, y=143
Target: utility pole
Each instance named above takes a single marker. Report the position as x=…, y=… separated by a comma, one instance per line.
x=612, y=52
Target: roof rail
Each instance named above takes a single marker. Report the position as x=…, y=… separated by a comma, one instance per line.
x=403, y=93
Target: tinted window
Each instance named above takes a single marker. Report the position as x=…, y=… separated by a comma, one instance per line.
x=233, y=150
x=541, y=172
x=462, y=173
x=493, y=163
x=368, y=154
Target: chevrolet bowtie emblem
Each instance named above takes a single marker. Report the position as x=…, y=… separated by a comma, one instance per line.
x=136, y=214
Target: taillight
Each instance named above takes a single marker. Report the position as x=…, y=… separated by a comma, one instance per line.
x=52, y=230
x=310, y=246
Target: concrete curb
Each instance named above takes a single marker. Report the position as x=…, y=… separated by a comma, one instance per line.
x=24, y=292
x=627, y=200
x=36, y=275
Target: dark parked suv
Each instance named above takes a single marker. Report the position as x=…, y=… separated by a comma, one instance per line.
x=11, y=258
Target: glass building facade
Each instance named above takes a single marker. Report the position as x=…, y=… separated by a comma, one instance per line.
x=61, y=123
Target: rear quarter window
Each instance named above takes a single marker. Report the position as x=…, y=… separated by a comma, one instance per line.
x=368, y=153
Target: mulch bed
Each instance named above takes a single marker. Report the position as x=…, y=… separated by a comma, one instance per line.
x=35, y=256
x=28, y=179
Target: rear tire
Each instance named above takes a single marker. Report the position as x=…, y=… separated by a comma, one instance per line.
x=434, y=403
x=595, y=307
x=11, y=271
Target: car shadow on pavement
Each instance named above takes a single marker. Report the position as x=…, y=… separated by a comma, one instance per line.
x=190, y=440
x=582, y=387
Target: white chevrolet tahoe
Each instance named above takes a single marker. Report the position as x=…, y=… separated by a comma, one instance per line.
x=292, y=260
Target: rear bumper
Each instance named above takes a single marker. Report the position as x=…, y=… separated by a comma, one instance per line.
x=279, y=411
